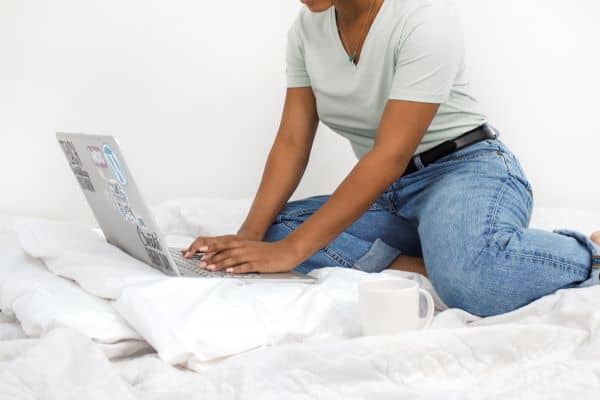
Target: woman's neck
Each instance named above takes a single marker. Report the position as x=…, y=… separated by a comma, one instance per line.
x=350, y=11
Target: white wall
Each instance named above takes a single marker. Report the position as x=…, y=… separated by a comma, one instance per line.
x=193, y=90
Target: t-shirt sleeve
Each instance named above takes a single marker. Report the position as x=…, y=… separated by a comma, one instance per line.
x=428, y=56
x=295, y=68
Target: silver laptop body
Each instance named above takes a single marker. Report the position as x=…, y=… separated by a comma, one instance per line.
x=108, y=185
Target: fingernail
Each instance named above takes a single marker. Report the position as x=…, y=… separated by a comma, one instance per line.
x=203, y=257
x=186, y=254
x=211, y=267
x=201, y=264
x=203, y=248
x=230, y=270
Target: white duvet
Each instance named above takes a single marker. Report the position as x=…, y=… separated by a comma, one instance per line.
x=92, y=305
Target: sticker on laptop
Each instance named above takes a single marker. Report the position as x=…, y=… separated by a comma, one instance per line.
x=114, y=164
x=99, y=161
x=97, y=157
x=77, y=166
x=153, y=248
x=119, y=199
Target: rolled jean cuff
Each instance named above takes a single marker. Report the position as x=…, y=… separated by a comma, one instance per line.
x=379, y=256
x=586, y=241
x=594, y=277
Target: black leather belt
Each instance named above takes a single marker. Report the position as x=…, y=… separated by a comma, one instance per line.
x=450, y=146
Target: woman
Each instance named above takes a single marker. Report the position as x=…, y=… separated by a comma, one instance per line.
x=434, y=191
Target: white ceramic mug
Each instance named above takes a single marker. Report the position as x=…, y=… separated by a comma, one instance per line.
x=390, y=306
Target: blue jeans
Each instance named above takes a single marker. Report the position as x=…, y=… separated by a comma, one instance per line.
x=467, y=215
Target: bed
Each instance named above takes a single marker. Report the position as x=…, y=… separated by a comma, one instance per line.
x=81, y=319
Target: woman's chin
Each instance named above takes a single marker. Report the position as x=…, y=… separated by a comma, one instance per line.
x=317, y=5
x=318, y=8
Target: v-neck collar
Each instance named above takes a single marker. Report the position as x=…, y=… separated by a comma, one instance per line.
x=338, y=39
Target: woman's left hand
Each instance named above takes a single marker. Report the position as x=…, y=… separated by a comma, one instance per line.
x=238, y=256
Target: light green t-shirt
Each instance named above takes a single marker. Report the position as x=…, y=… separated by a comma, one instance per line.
x=413, y=51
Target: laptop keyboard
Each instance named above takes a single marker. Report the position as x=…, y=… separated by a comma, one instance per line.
x=191, y=265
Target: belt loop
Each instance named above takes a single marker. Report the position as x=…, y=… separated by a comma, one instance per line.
x=418, y=162
x=495, y=131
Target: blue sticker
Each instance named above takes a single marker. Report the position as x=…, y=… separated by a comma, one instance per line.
x=115, y=165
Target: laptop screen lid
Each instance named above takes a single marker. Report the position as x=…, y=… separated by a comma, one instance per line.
x=111, y=192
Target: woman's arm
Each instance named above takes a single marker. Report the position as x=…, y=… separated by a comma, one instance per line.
x=286, y=162
x=401, y=129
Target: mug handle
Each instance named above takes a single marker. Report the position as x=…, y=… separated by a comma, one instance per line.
x=430, y=308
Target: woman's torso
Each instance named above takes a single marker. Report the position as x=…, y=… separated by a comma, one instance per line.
x=350, y=98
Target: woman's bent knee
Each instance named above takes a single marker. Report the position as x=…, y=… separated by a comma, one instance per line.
x=278, y=231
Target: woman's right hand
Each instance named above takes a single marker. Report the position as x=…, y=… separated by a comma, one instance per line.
x=202, y=241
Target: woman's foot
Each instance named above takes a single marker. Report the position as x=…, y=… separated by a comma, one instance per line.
x=596, y=237
x=409, y=264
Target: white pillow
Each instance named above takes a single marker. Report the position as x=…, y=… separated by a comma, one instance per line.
x=42, y=301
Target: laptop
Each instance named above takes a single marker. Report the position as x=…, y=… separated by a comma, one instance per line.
x=100, y=169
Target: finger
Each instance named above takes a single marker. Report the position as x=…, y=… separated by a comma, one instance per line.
x=202, y=243
x=197, y=245
x=242, y=269
x=227, y=258
x=207, y=256
x=223, y=255
x=224, y=244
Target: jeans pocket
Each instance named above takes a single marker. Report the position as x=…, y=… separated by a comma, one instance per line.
x=515, y=169
x=301, y=210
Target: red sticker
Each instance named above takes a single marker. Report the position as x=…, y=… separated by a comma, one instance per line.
x=97, y=156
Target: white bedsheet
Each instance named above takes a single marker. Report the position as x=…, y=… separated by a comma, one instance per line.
x=508, y=361
x=42, y=301
x=547, y=350
x=183, y=318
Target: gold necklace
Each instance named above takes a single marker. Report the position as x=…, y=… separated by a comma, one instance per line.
x=352, y=55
